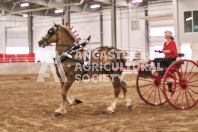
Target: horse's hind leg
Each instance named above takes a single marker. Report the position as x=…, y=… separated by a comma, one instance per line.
x=127, y=100
x=117, y=89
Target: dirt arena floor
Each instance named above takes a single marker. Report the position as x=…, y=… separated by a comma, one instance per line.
x=27, y=106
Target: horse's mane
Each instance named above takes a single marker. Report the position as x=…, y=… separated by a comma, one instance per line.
x=69, y=33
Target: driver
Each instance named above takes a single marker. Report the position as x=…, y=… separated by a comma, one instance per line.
x=170, y=52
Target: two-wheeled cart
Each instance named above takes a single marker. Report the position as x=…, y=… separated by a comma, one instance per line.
x=178, y=85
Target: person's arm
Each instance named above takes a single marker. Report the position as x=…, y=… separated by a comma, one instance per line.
x=171, y=48
x=166, y=51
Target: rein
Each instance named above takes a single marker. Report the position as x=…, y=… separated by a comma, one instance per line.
x=67, y=45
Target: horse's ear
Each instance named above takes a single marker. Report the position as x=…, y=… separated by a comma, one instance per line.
x=55, y=25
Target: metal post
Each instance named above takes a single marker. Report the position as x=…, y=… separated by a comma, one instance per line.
x=101, y=29
x=121, y=27
x=67, y=14
x=6, y=38
x=176, y=24
x=129, y=29
x=30, y=32
x=147, y=33
x=113, y=23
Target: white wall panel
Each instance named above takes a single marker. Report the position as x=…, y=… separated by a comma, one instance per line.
x=17, y=37
x=9, y=21
x=87, y=24
x=107, y=28
x=160, y=9
x=40, y=27
x=161, y=23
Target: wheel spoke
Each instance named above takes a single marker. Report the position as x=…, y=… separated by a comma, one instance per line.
x=150, y=94
x=148, y=90
x=172, y=82
x=179, y=87
x=193, y=85
x=173, y=76
x=190, y=95
x=181, y=73
x=192, y=90
x=155, y=94
x=193, y=76
x=145, y=85
x=190, y=71
x=193, y=81
x=159, y=95
x=161, y=89
x=177, y=97
x=186, y=98
x=182, y=98
x=186, y=70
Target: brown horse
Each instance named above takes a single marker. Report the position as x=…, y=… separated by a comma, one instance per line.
x=64, y=39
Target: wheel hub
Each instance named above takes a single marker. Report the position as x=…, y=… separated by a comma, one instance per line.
x=184, y=84
x=157, y=82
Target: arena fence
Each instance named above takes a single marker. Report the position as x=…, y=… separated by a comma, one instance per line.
x=17, y=58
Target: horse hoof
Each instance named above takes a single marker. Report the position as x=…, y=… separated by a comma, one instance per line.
x=56, y=114
x=78, y=101
x=130, y=107
x=110, y=112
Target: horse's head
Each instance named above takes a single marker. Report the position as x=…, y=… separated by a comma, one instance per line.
x=50, y=37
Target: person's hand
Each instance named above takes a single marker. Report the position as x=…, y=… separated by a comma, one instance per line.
x=159, y=51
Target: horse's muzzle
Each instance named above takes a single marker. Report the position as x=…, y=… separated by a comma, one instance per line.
x=42, y=44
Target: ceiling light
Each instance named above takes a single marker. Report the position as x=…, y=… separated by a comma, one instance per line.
x=25, y=15
x=136, y=1
x=25, y=4
x=58, y=11
x=95, y=6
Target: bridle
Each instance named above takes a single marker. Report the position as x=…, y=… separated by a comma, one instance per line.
x=51, y=32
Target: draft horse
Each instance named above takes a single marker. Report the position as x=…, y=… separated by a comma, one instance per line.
x=64, y=39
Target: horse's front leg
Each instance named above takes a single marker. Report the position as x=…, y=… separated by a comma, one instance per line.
x=128, y=101
x=117, y=89
x=65, y=88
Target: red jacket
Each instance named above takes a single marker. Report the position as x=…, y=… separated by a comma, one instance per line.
x=172, y=47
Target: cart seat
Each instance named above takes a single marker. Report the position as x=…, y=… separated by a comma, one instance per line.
x=181, y=54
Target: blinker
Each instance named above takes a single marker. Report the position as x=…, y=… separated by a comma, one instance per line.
x=51, y=31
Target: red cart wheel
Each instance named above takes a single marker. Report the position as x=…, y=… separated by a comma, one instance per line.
x=150, y=90
x=183, y=74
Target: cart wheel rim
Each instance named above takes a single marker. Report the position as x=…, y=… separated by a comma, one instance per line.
x=150, y=90
x=184, y=75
